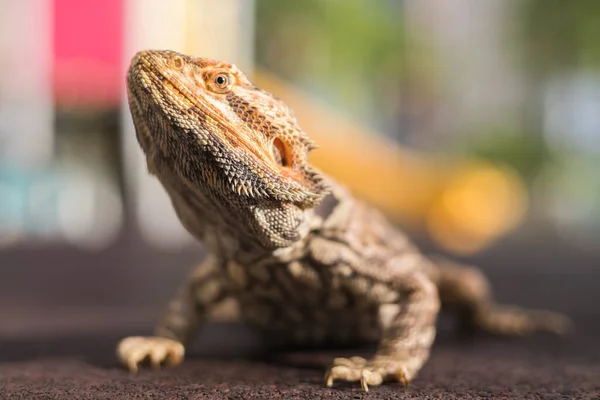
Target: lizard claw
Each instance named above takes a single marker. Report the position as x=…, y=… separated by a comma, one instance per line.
x=403, y=376
x=366, y=374
x=329, y=378
x=133, y=350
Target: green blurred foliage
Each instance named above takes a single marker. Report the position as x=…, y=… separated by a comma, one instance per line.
x=350, y=52
x=525, y=153
x=557, y=35
x=551, y=37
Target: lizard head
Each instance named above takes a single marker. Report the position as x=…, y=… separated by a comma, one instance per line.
x=203, y=124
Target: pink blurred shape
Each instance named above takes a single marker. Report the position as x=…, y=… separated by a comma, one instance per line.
x=87, y=51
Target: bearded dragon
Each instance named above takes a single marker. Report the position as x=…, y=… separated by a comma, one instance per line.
x=306, y=262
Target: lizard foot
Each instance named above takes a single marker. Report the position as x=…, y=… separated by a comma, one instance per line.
x=368, y=373
x=512, y=321
x=135, y=349
x=552, y=322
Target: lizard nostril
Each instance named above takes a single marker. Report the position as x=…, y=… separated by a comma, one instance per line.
x=177, y=62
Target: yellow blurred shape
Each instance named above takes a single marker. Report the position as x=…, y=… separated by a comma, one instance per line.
x=478, y=203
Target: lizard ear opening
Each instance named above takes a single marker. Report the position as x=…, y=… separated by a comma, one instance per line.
x=280, y=153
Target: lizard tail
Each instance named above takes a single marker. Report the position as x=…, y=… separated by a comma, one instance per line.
x=466, y=290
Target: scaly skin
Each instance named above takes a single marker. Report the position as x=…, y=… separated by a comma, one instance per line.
x=306, y=262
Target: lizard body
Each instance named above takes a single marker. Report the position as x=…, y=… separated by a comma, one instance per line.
x=306, y=262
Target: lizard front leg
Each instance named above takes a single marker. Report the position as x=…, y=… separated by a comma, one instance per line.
x=407, y=338
x=185, y=313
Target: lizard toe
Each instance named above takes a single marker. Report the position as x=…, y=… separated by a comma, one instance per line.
x=354, y=369
x=133, y=350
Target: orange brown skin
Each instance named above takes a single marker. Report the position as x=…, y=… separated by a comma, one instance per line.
x=304, y=260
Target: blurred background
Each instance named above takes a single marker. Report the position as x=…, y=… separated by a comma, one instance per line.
x=475, y=125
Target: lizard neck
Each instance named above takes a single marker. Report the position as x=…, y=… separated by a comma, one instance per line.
x=328, y=214
x=228, y=244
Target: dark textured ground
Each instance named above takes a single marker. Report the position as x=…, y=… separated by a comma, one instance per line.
x=62, y=313
x=84, y=367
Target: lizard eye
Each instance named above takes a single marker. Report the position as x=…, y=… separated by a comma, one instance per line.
x=279, y=153
x=220, y=82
